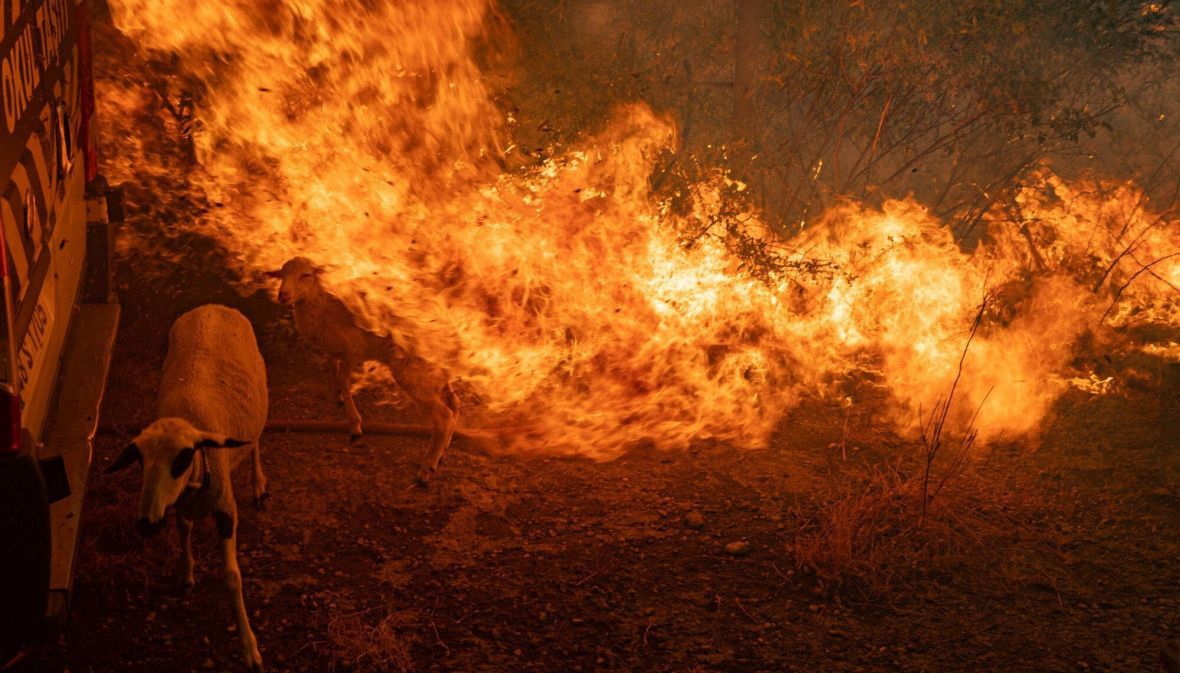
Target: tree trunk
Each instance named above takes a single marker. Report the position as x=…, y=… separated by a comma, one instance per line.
x=748, y=52
x=751, y=17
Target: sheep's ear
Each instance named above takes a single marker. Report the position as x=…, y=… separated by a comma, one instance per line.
x=182, y=461
x=215, y=442
x=273, y=274
x=131, y=454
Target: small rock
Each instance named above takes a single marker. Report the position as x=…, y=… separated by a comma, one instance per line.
x=694, y=520
x=207, y=664
x=738, y=548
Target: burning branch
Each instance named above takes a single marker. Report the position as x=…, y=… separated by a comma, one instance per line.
x=1146, y=268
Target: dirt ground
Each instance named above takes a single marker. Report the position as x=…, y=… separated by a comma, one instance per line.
x=545, y=564
x=1058, y=555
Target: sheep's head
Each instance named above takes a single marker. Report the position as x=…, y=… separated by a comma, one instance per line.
x=167, y=449
x=299, y=277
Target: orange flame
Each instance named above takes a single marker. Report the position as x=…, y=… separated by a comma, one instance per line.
x=363, y=135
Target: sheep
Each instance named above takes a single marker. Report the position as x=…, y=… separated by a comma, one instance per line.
x=323, y=320
x=212, y=407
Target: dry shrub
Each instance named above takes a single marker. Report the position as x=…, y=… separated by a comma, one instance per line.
x=374, y=640
x=886, y=524
x=871, y=530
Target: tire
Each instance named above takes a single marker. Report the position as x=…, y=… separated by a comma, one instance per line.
x=24, y=550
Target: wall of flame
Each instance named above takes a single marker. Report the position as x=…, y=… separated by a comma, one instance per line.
x=363, y=135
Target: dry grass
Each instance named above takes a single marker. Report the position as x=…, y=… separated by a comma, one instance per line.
x=871, y=531
x=112, y=557
x=375, y=640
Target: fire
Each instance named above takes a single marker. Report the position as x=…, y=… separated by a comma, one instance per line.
x=364, y=136
x=1105, y=233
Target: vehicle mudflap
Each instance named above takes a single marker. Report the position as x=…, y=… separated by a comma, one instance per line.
x=57, y=482
x=104, y=212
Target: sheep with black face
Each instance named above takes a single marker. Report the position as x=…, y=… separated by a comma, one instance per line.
x=212, y=408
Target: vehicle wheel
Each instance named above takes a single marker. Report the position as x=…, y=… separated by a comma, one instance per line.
x=24, y=550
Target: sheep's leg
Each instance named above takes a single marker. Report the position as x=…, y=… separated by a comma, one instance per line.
x=258, y=480
x=233, y=581
x=444, y=416
x=343, y=374
x=185, y=528
x=336, y=383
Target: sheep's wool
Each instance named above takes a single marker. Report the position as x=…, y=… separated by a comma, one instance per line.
x=214, y=376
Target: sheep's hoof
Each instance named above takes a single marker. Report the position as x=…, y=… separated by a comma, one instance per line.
x=253, y=658
x=260, y=501
x=423, y=477
x=185, y=588
x=354, y=437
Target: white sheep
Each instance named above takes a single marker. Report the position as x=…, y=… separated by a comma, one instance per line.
x=325, y=321
x=212, y=408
